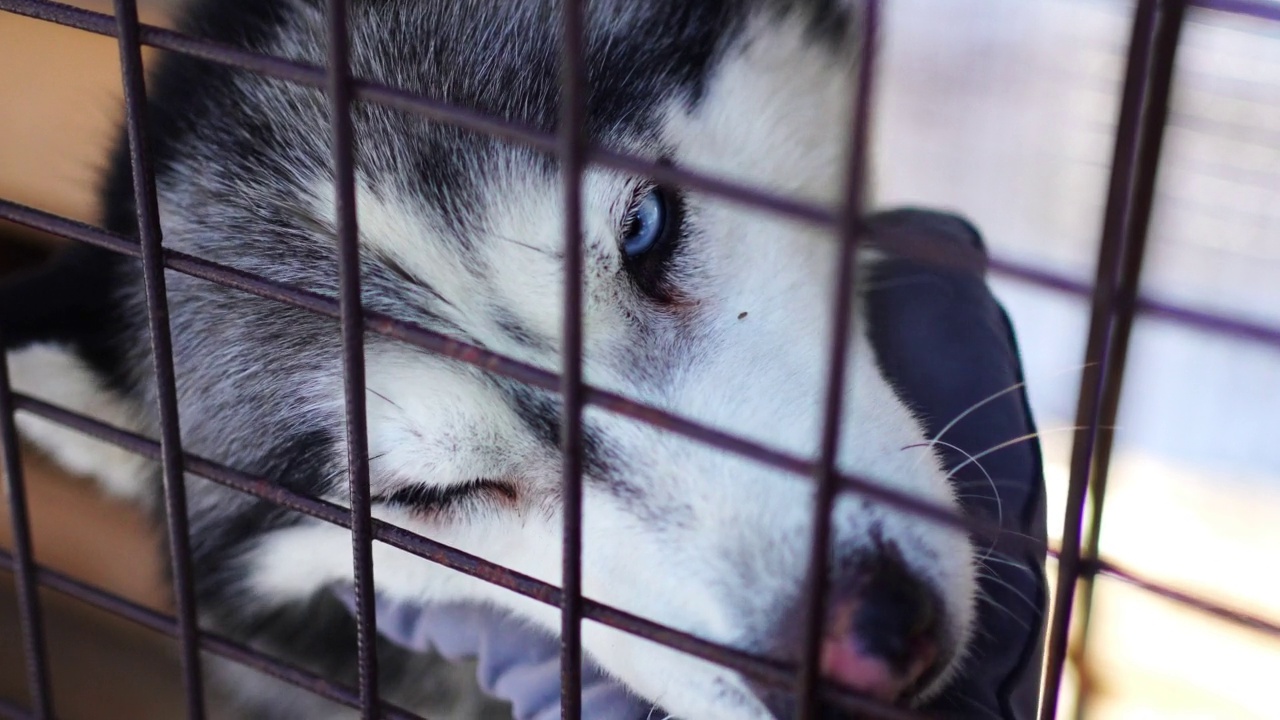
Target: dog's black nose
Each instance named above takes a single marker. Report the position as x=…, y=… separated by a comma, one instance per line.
x=883, y=632
x=894, y=614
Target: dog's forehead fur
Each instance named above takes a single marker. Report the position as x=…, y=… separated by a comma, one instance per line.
x=463, y=234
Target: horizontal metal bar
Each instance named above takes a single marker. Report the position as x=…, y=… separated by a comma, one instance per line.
x=315, y=76
x=1216, y=323
x=1105, y=568
x=230, y=277
x=528, y=374
x=168, y=625
x=759, y=668
x=756, y=667
x=1206, y=321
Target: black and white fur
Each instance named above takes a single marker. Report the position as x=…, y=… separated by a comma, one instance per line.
x=461, y=233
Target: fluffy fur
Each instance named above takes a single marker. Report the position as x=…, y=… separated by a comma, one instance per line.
x=462, y=233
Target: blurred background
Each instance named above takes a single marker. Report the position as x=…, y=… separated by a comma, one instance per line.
x=1002, y=110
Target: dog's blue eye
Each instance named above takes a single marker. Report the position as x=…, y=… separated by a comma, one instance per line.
x=646, y=224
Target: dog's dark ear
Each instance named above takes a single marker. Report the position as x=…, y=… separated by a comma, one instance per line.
x=63, y=300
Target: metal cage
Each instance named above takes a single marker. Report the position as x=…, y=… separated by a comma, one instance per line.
x=1114, y=297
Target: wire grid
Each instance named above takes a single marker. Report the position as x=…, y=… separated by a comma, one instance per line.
x=1115, y=304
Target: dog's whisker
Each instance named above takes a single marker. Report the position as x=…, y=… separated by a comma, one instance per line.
x=962, y=451
x=1021, y=439
x=384, y=398
x=983, y=597
x=527, y=246
x=976, y=406
x=996, y=395
x=998, y=482
x=1009, y=563
x=1006, y=585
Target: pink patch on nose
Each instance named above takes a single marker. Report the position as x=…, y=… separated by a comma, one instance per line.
x=843, y=663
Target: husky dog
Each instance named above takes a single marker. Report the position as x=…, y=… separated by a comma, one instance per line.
x=707, y=308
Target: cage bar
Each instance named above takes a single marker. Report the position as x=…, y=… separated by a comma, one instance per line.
x=572, y=150
x=827, y=476
x=1144, y=108
x=30, y=617
x=149, y=238
x=353, y=370
x=1168, y=33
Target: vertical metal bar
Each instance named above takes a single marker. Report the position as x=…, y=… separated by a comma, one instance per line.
x=29, y=613
x=827, y=477
x=1129, y=196
x=1167, y=35
x=352, y=320
x=572, y=140
x=149, y=234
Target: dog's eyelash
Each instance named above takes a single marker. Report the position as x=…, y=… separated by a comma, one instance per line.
x=435, y=499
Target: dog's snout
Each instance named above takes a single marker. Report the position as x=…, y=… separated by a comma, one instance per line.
x=882, y=636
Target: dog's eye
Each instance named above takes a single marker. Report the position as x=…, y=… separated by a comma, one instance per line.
x=429, y=499
x=649, y=239
x=646, y=223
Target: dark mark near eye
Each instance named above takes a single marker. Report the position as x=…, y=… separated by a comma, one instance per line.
x=742, y=315
x=395, y=268
x=430, y=499
x=518, y=331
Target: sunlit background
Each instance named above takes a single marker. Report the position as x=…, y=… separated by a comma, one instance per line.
x=1003, y=110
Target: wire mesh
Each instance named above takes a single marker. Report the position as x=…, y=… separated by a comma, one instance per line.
x=1114, y=293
